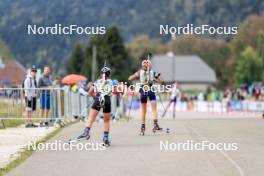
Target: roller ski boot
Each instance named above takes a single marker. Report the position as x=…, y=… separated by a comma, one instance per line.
x=84, y=136
x=156, y=127
x=106, y=141
x=142, y=130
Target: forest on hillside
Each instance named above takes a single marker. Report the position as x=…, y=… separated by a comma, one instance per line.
x=133, y=18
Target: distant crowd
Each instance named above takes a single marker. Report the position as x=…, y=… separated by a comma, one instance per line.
x=254, y=92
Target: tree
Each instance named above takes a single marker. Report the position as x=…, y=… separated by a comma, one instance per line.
x=248, y=36
x=76, y=60
x=118, y=57
x=110, y=48
x=142, y=45
x=261, y=51
x=249, y=67
x=94, y=41
x=5, y=51
x=214, y=52
x=248, y=33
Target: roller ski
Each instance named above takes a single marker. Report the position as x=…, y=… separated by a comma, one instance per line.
x=84, y=136
x=156, y=127
x=106, y=141
x=74, y=140
x=142, y=130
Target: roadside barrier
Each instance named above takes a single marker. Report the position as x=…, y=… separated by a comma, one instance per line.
x=62, y=104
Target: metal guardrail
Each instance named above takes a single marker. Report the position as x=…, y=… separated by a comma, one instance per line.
x=13, y=103
x=207, y=106
x=64, y=104
x=217, y=106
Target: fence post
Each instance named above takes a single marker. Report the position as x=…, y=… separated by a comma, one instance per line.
x=3, y=124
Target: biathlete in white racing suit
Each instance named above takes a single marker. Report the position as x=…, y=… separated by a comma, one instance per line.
x=147, y=77
x=174, y=94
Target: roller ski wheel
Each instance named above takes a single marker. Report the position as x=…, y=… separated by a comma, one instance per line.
x=106, y=143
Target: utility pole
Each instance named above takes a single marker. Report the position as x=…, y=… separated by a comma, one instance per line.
x=171, y=55
x=261, y=50
x=94, y=64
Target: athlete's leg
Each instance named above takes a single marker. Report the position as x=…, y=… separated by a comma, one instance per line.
x=174, y=109
x=143, y=112
x=153, y=102
x=91, y=118
x=107, y=122
x=143, y=100
x=106, y=128
x=152, y=98
x=155, y=116
x=143, y=118
x=86, y=132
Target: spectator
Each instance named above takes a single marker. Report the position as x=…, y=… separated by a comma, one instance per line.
x=74, y=88
x=227, y=99
x=262, y=90
x=45, y=82
x=257, y=92
x=56, y=82
x=82, y=88
x=30, y=96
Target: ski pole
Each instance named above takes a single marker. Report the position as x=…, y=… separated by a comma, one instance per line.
x=161, y=101
x=131, y=102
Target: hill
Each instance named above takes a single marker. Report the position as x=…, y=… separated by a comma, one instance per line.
x=131, y=17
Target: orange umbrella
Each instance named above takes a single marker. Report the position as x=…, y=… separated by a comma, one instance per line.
x=73, y=78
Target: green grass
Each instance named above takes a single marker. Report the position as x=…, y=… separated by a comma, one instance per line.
x=14, y=110
x=8, y=109
x=27, y=153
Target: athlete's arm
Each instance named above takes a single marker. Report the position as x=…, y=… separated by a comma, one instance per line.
x=134, y=76
x=91, y=92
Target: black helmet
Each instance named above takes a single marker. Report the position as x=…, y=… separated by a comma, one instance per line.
x=106, y=71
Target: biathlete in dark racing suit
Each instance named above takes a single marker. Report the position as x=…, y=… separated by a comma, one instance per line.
x=102, y=99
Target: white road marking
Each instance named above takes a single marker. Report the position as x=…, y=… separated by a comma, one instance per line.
x=228, y=157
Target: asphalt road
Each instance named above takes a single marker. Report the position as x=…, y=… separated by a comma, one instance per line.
x=131, y=154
